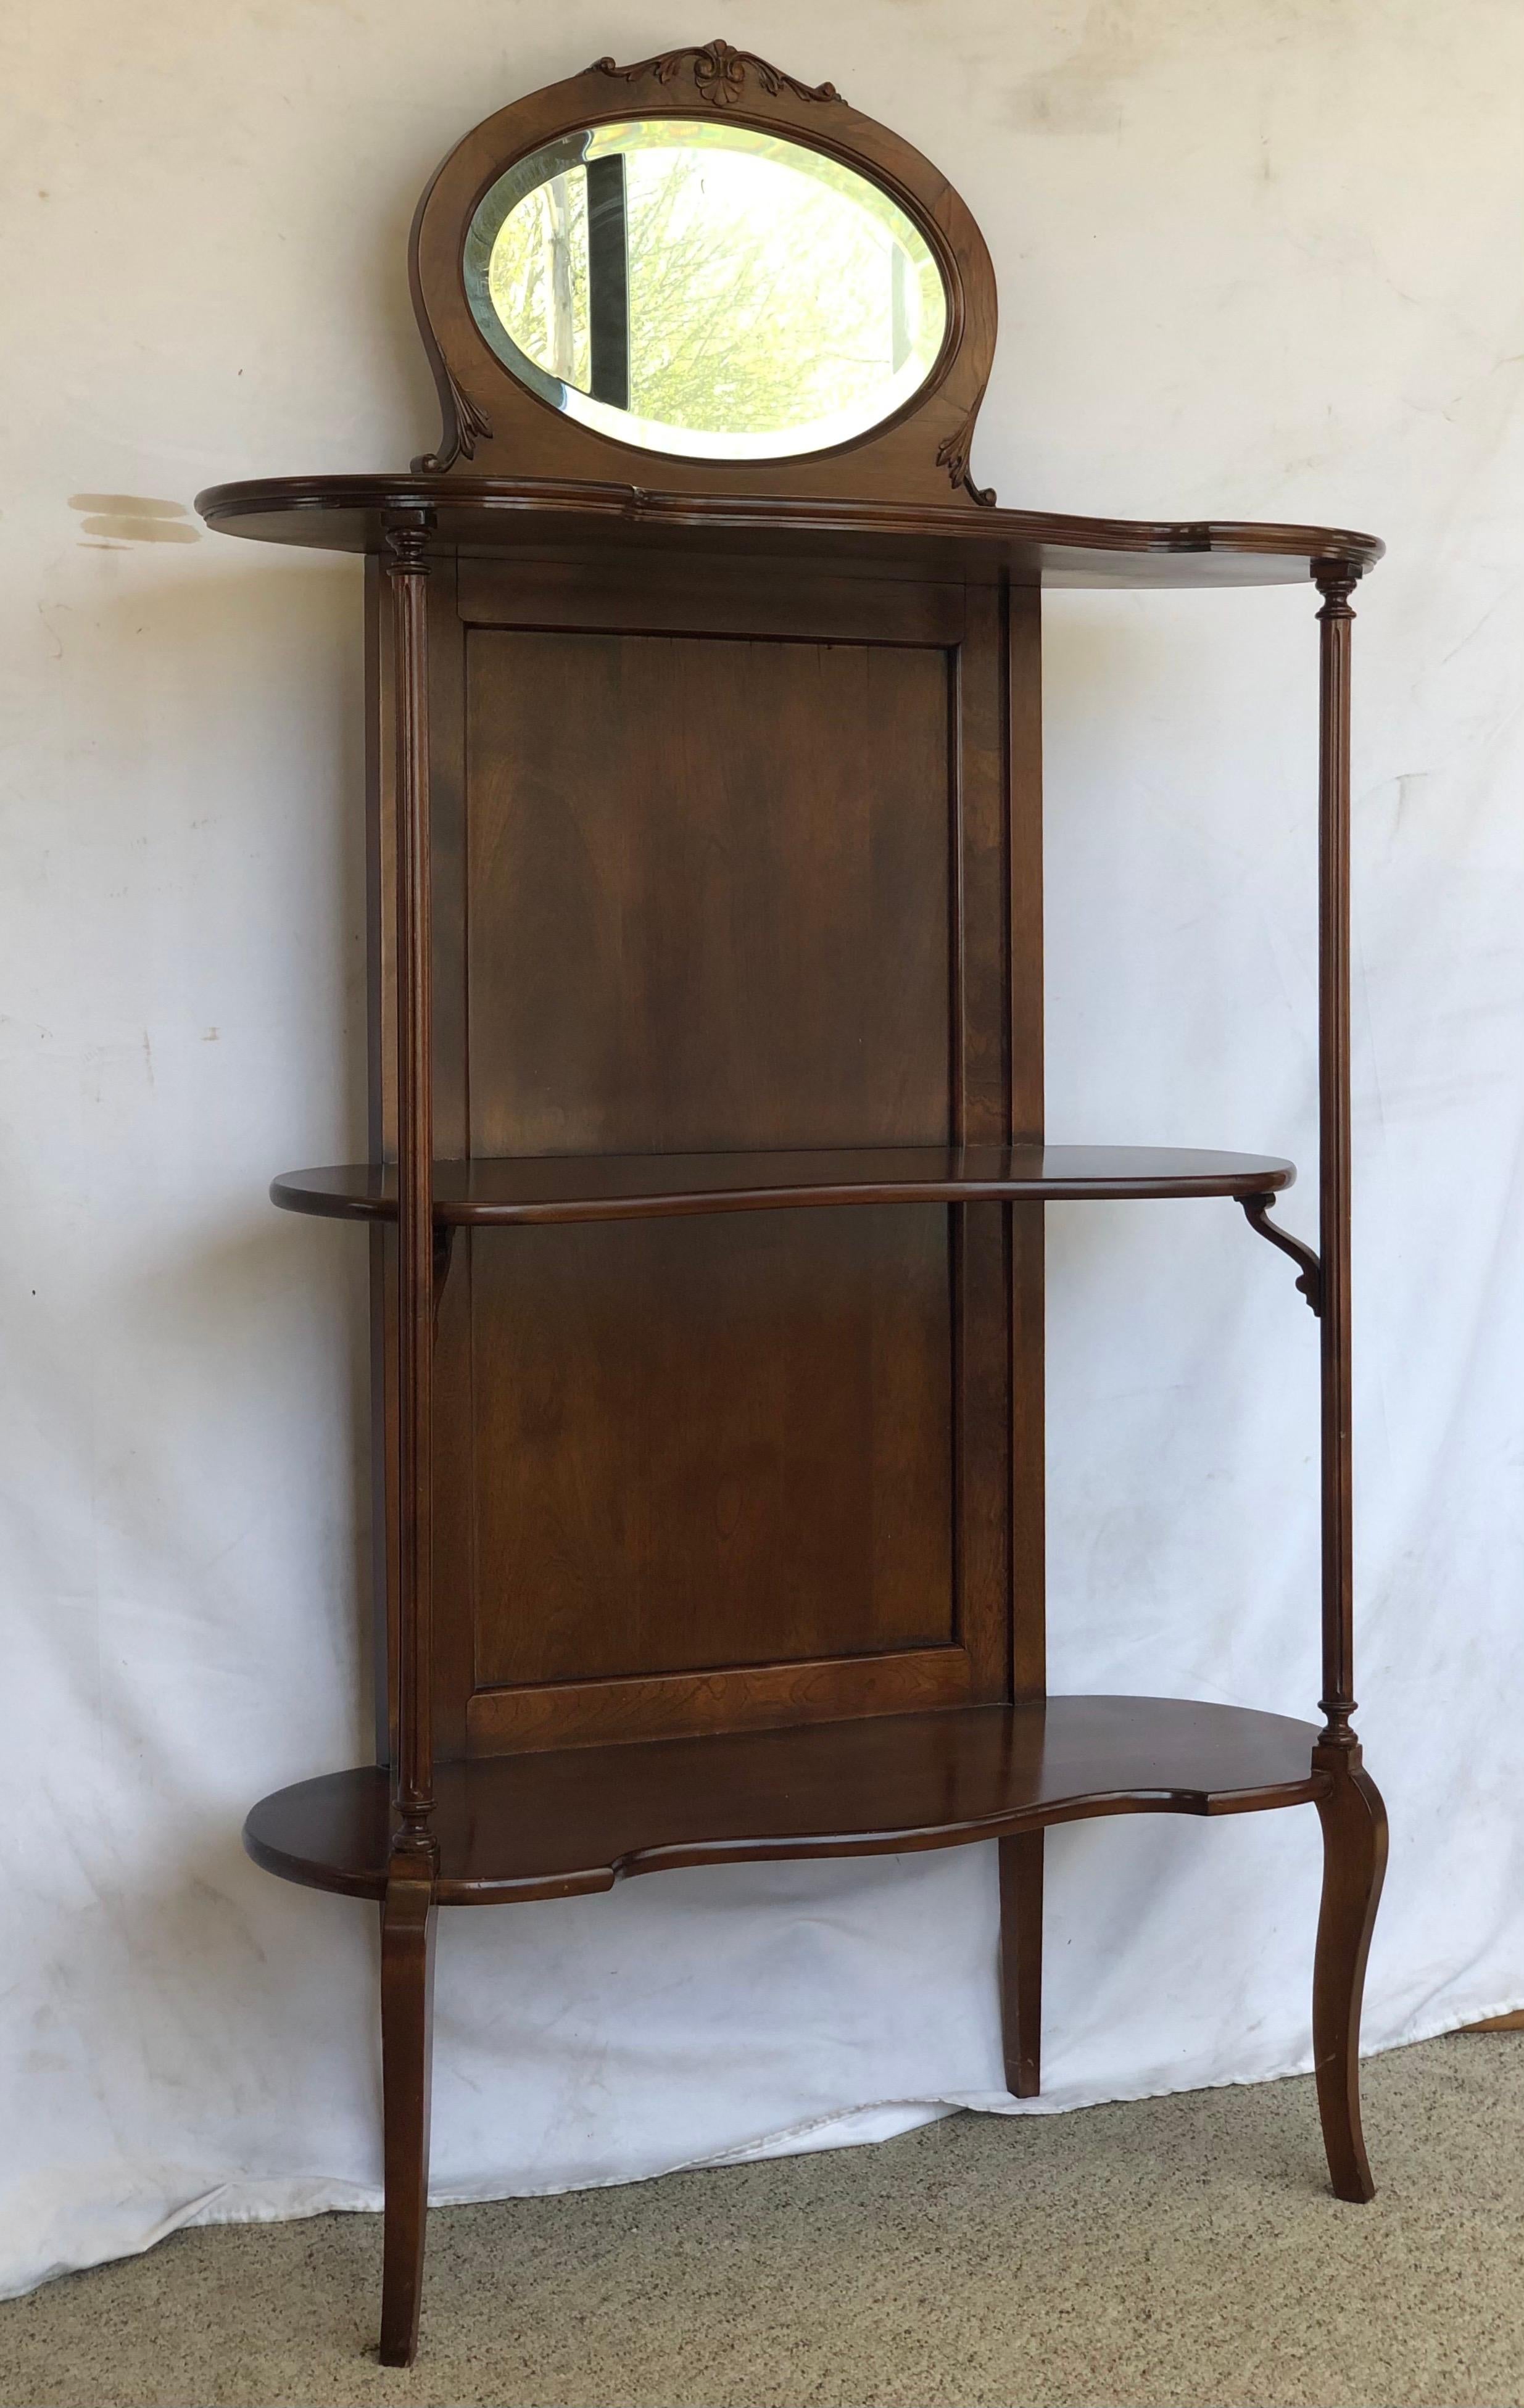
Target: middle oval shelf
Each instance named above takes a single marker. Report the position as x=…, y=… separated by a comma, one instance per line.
x=501, y=1190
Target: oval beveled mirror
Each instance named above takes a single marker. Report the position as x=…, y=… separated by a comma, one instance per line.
x=702, y=288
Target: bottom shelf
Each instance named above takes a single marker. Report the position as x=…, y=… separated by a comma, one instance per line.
x=562, y=1824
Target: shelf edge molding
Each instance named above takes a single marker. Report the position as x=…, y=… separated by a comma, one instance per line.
x=496, y=1192
x=348, y=512
x=569, y=1822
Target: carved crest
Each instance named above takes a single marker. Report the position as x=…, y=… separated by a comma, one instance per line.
x=499, y=424
x=719, y=73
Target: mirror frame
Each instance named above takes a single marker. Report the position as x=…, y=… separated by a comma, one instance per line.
x=496, y=426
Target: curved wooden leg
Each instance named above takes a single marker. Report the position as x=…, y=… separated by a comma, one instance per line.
x=406, y=2048
x=1021, y=1961
x=1354, y=1824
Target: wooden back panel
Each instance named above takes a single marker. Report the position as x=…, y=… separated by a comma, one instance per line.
x=727, y=858
x=688, y=858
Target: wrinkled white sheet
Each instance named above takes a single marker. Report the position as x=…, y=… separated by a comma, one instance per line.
x=1258, y=259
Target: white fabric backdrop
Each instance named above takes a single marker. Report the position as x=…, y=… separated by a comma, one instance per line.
x=1256, y=259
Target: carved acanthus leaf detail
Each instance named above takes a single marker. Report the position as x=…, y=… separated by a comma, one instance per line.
x=719, y=73
x=464, y=427
x=953, y=454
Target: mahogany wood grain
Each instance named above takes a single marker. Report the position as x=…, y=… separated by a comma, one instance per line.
x=990, y=810
x=406, y=1995
x=456, y=1503
x=449, y=865
x=454, y=1516
x=1354, y=1822
x=609, y=590
x=691, y=863
x=406, y=573
x=741, y=884
x=704, y=1444
x=1336, y=582
x=1353, y=1817
x=487, y=1193
x=729, y=1697
x=1028, y=1454
x=1022, y=747
x=381, y=1131
x=1020, y=742
x=503, y=515
x=985, y=1602
x=572, y=1820
x=1021, y=1962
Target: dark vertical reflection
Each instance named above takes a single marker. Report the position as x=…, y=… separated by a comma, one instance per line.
x=608, y=283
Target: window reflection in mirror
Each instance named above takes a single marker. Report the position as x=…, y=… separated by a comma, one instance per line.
x=703, y=288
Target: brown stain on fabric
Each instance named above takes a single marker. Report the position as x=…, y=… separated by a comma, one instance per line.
x=134, y=518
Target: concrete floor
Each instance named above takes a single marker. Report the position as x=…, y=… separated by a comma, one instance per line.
x=1182, y=2250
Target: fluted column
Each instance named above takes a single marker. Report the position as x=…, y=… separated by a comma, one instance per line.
x=1336, y=582
x=406, y=573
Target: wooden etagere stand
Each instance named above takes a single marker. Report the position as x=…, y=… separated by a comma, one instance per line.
x=708, y=1171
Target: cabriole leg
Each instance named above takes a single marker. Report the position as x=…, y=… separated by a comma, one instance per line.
x=1021, y=1961
x=1354, y=1824
x=408, y=1914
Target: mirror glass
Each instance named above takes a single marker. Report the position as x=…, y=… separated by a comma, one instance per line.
x=697, y=287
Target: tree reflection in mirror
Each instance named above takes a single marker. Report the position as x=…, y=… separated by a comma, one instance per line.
x=705, y=289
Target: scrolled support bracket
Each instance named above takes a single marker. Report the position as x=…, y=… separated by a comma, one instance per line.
x=1256, y=1213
